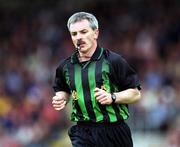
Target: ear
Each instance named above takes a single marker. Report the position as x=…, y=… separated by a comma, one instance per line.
x=96, y=34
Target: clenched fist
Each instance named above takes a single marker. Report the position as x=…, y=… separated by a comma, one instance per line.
x=59, y=100
x=102, y=96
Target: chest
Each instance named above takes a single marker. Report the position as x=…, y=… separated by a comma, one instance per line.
x=88, y=75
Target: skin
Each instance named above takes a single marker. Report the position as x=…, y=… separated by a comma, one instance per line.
x=83, y=33
x=87, y=37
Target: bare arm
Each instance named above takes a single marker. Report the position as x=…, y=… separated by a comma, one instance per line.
x=59, y=100
x=128, y=96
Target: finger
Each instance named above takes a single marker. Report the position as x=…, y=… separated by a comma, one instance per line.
x=57, y=101
x=106, y=100
x=97, y=89
x=56, y=106
x=99, y=97
x=60, y=106
x=56, y=97
x=102, y=100
x=98, y=93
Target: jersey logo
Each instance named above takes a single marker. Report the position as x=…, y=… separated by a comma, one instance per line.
x=103, y=87
x=74, y=95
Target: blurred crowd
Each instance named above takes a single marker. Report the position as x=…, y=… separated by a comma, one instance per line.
x=146, y=33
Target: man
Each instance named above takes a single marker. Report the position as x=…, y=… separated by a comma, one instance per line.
x=101, y=83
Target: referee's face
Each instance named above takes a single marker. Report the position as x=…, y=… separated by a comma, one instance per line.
x=82, y=33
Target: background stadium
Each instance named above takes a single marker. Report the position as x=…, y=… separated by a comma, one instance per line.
x=33, y=39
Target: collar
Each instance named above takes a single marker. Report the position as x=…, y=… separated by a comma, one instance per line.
x=96, y=56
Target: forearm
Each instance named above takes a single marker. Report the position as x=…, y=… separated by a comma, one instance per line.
x=127, y=96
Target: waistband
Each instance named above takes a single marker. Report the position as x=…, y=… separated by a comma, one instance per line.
x=98, y=124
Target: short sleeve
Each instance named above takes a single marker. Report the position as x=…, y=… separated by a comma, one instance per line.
x=124, y=75
x=60, y=81
x=128, y=76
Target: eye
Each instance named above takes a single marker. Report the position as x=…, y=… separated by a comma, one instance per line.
x=73, y=33
x=84, y=31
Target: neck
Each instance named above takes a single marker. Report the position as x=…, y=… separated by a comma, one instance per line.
x=85, y=56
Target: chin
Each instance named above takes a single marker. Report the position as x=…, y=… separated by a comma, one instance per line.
x=83, y=49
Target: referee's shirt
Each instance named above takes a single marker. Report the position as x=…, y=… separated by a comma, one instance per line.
x=106, y=70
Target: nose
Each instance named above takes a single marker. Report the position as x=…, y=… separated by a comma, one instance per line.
x=79, y=36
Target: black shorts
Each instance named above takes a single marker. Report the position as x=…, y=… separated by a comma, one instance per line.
x=115, y=134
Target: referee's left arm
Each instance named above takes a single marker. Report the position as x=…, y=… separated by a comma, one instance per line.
x=127, y=96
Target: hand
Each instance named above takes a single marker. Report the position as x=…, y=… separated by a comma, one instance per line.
x=102, y=96
x=59, y=101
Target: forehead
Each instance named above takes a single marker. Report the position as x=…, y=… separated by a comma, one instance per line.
x=80, y=25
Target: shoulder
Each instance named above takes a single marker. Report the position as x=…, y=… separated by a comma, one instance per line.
x=114, y=57
x=64, y=62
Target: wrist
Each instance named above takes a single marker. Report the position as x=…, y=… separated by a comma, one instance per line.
x=113, y=97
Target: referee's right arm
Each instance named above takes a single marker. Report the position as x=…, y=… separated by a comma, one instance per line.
x=59, y=100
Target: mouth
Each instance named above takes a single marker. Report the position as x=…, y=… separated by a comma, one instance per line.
x=81, y=44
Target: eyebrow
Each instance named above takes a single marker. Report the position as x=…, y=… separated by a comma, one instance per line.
x=80, y=30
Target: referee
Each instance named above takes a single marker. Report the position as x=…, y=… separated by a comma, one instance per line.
x=101, y=83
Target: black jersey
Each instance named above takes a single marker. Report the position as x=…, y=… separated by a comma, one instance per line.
x=106, y=70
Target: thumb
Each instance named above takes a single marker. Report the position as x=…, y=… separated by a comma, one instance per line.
x=96, y=89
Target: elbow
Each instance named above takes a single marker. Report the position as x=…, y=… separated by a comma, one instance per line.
x=137, y=96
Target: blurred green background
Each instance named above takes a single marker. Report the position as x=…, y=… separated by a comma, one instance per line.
x=34, y=38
